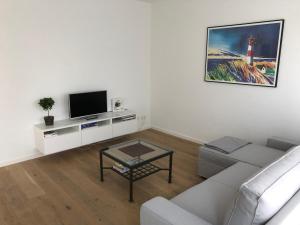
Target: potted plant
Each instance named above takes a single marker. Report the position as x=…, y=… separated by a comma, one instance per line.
x=47, y=104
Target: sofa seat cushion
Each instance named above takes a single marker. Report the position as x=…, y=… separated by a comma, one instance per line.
x=207, y=200
x=235, y=175
x=263, y=195
x=160, y=211
x=257, y=155
x=211, y=198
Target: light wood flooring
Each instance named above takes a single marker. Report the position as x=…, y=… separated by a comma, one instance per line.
x=64, y=188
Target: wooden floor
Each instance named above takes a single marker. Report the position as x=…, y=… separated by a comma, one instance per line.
x=64, y=188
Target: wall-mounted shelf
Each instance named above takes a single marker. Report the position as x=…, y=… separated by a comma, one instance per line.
x=67, y=134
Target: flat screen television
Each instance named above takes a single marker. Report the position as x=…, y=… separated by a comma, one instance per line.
x=87, y=104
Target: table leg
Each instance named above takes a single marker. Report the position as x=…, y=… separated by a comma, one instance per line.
x=170, y=168
x=130, y=186
x=101, y=166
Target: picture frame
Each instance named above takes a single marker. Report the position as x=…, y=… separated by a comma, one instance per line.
x=246, y=53
x=117, y=104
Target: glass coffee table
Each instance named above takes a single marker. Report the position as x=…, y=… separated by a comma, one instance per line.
x=134, y=159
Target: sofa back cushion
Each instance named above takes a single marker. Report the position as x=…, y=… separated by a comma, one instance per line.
x=263, y=195
x=289, y=213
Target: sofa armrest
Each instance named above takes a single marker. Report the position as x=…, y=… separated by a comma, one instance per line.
x=160, y=211
x=280, y=143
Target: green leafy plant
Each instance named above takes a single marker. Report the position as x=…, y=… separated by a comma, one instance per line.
x=47, y=104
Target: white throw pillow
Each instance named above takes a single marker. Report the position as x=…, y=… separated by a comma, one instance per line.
x=263, y=195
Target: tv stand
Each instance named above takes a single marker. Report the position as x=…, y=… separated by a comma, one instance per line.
x=68, y=134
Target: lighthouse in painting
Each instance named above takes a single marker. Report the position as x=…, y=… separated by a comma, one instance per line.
x=250, y=53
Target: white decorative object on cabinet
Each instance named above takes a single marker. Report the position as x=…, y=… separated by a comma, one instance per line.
x=117, y=104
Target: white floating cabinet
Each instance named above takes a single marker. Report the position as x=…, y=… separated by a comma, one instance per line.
x=68, y=134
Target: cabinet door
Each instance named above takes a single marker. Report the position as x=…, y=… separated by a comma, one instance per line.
x=96, y=134
x=124, y=127
x=62, y=142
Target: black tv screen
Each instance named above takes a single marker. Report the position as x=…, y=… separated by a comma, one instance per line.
x=87, y=104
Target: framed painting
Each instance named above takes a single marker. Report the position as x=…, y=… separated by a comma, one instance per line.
x=244, y=53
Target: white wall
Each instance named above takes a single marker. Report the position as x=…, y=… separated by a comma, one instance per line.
x=56, y=47
x=184, y=104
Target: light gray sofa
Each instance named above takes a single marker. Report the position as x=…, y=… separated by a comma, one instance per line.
x=241, y=194
x=212, y=162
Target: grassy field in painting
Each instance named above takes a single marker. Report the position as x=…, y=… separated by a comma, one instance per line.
x=237, y=70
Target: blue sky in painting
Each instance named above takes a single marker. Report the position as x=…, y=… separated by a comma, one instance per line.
x=234, y=39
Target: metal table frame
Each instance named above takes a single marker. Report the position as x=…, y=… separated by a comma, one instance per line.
x=136, y=171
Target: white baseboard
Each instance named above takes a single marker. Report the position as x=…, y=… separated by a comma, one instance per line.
x=144, y=128
x=20, y=159
x=179, y=135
